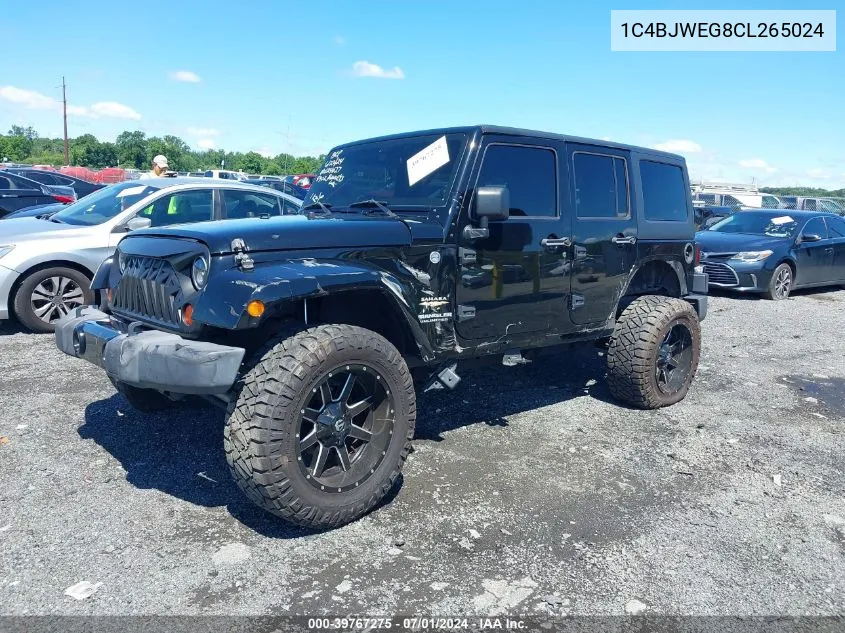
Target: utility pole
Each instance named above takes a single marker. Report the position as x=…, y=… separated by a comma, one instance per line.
x=64, y=114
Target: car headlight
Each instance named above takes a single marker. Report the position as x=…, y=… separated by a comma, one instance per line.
x=199, y=273
x=5, y=249
x=751, y=256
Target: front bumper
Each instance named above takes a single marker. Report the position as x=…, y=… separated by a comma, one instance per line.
x=738, y=276
x=149, y=359
x=7, y=280
x=698, y=296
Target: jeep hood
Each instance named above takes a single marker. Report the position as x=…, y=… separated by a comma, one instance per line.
x=290, y=232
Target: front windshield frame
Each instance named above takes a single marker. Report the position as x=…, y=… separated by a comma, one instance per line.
x=109, y=197
x=782, y=230
x=331, y=185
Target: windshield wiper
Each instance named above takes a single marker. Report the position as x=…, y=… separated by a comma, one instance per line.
x=326, y=208
x=372, y=204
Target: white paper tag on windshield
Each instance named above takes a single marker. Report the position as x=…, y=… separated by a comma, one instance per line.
x=428, y=160
x=784, y=219
x=131, y=191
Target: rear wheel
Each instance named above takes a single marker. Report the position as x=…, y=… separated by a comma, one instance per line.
x=780, y=284
x=47, y=295
x=653, y=352
x=321, y=425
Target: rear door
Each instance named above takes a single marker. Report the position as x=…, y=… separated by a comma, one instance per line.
x=836, y=231
x=17, y=192
x=604, y=229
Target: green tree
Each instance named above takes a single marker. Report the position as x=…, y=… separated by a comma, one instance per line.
x=132, y=149
x=252, y=163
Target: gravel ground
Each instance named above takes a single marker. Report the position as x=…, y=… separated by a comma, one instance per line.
x=528, y=492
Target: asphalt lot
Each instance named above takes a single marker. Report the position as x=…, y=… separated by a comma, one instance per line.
x=528, y=492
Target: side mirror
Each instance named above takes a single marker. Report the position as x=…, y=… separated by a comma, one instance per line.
x=492, y=203
x=810, y=237
x=138, y=223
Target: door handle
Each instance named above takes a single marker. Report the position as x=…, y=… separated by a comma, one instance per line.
x=621, y=239
x=554, y=242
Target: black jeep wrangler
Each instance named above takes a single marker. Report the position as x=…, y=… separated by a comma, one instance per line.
x=415, y=255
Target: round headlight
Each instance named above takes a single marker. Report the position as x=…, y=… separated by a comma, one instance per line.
x=199, y=273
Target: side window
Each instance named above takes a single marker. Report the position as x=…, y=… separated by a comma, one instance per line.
x=209, y=174
x=180, y=208
x=809, y=205
x=529, y=173
x=730, y=201
x=601, y=186
x=664, y=192
x=707, y=198
x=291, y=208
x=248, y=204
x=836, y=226
x=6, y=182
x=816, y=226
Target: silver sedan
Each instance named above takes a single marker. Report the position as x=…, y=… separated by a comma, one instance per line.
x=47, y=262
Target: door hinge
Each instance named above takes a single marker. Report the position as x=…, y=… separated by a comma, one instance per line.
x=465, y=313
x=466, y=255
x=576, y=301
x=239, y=248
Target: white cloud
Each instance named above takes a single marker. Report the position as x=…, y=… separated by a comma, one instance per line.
x=186, y=75
x=757, y=163
x=202, y=131
x=819, y=174
x=339, y=40
x=680, y=145
x=32, y=100
x=206, y=143
x=366, y=69
x=266, y=152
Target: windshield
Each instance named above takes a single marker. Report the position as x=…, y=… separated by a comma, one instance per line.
x=831, y=206
x=756, y=223
x=104, y=204
x=411, y=172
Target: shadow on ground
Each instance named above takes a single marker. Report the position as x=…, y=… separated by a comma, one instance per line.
x=179, y=451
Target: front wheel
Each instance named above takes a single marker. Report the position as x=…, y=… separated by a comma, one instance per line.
x=47, y=295
x=780, y=284
x=321, y=425
x=146, y=400
x=653, y=352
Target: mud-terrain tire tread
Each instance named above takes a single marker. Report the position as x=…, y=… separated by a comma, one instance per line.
x=633, y=347
x=271, y=383
x=146, y=400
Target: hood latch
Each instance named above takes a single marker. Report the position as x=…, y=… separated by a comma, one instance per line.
x=242, y=260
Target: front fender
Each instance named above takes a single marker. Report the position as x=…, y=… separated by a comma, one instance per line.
x=223, y=302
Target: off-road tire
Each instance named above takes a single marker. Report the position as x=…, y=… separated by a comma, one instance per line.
x=23, y=305
x=771, y=291
x=634, y=346
x=146, y=400
x=262, y=421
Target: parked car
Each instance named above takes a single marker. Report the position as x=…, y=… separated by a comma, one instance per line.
x=280, y=185
x=828, y=205
x=80, y=186
x=739, y=200
x=46, y=263
x=707, y=215
x=17, y=192
x=224, y=174
x=312, y=330
x=38, y=210
x=773, y=252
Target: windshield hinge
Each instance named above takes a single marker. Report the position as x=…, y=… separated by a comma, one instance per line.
x=242, y=260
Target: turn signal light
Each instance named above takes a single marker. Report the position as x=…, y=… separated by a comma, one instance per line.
x=109, y=295
x=188, y=315
x=255, y=308
x=697, y=254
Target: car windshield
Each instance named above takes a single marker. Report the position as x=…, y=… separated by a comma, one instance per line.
x=406, y=172
x=756, y=223
x=104, y=204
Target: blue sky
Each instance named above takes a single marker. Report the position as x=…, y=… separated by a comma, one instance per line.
x=278, y=76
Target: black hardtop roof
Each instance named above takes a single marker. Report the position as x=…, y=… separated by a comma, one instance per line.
x=513, y=131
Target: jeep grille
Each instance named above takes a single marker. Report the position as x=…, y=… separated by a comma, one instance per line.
x=148, y=290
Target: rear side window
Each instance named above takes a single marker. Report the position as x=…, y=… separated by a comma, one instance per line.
x=664, y=192
x=13, y=181
x=836, y=227
x=247, y=204
x=529, y=173
x=601, y=186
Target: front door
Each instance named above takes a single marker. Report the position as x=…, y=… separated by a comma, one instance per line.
x=604, y=230
x=516, y=281
x=815, y=259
